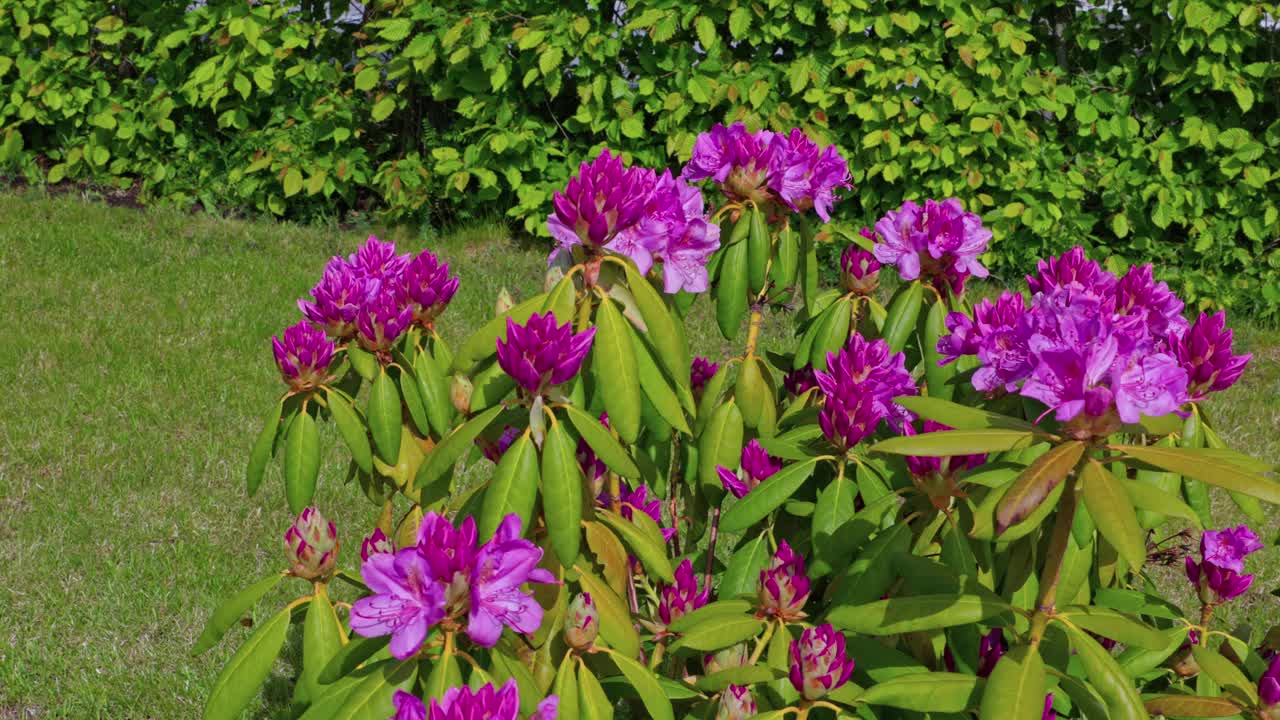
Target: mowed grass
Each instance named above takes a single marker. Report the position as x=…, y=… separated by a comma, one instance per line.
x=135, y=346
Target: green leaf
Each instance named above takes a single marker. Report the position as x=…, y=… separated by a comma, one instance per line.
x=1036, y=482
x=739, y=22
x=706, y=32
x=742, y=576
x=384, y=417
x=961, y=417
x=711, y=613
x=433, y=386
x=367, y=78
x=351, y=656
x=832, y=529
x=946, y=443
x=371, y=699
x=1225, y=673
x=262, y=449
x=565, y=687
x=363, y=361
x=657, y=389
x=652, y=551
x=483, y=342
x=243, y=85
x=245, y=672
x=301, y=461
x=1112, y=511
x=742, y=676
x=903, y=315
x=613, y=359
x=383, y=108
x=932, y=692
x=754, y=395
x=321, y=641
x=444, y=674
x=1016, y=687
x=832, y=332
x=767, y=496
x=411, y=393
x=605, y=446
x=1115, y=625
x=759, y=252
x=651, y=694
x=562, y=493
x=1208, y=467
x=719, y=635
x=593, y=703
x=919, y=612
x=1192, y=706
x=719, y=445
x=513, y=489
x=615, y=618
x=439, y=463
x=1115, y=687
x=231, y=610
x=731, y=290
x=352, y=430
x=660, y=328
x=292, y=182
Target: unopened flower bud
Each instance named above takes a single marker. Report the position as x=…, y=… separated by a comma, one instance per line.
x=460, y=390
x=376, y=543
x=859, y=271
x=818, y=662
x=582, y=622
x=736, y=703
x=504, y=303
x=730, y=657
x=311, y=545
x=1269, y=690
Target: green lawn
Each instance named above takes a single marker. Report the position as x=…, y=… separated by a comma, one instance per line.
x=136, y=347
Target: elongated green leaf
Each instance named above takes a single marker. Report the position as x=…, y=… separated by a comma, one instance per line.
x=938, y=692
x=1212, y=469
x=439, y=463
x=834, y=533
x=262, y=448
x=433, y=385
x=752, y=393
x=1016, y=687
x=712, y=394
x=562, y=493
x=719, y=445
x=364, y=362
x=663, y=333
x=1192, y=706
x=1225, y=673
x=651, y=694
x=1115, y=687
x=1112, y=511
x=1154, y=499
x=483, y=342
x=245, y=672
x=719, y=635
x=961, y=417
x=758, y=250
x=1036, y=482
x=832, y=332
x=592, y=702
x=741, y=676
x=946, y=443
x=352, y=430
x=1115, y=625
x=613, y=359
x=351, y=656
x=651, y=551
x=505, y=667
x=711, y=614
x=1138, y=661
x=919, y=612
x=411, y=393
x=656, y=387
x=939, y=378
x=445, y=673
x=870, y=575
x=301, y=461
x=743, y=573
x=767, y=496
x=608, y=449
x=561, y=300
x=384, y=418
x=793, y=444
x=321, y=641
x=513, y=489
x=904, y=312
x=565, y=687
x=615, y=618
x=231, y=610
x=371, y=699
x=731, y=290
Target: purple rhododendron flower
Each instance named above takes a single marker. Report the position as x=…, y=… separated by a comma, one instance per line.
x=303, y=356
x=765, y=167
x=784, y=585
x=927, y=466
x=486, y=703
x=700, y=373
x=602, y=199
x=406, y=602
x=336, y=300
x=540, y=353
x=682, y=597
x=1205, y=353
x=939, y=241
x=736, y=703
x=1269, y=685
x=756, y=466
x=1048, y=713
x=376, y=543
x=859, y=271
x=819, y=663
x=990, y=649
x=1071, y=271
x=798, y=382
x=495, y=449
x=641, y=499
x=501, y=566
x=376, y=262
x=426, y=285
x=860, y=384
x=1218, y=576
x=381, y=320
x=408, y=707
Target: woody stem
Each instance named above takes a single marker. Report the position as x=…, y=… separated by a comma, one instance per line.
x=753, y=331
x=1053, y=564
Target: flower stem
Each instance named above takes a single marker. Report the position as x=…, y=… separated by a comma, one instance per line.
x=753, y=331
x=763, y=643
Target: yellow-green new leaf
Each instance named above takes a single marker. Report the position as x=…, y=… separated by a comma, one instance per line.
x=1113, y=512
x=1015, y=690
x=241, y=677
x=651, y=551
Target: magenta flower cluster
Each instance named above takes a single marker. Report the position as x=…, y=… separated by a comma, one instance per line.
x=766, y=167
x=446, y=577
x=682, y=597
x=755, y=467
x=860, y=384
x=541, y=354
x=700, y=373
x=930, y=466
x=819, y=663
x=939, y=242
x=1269, y=685
x=1219, y=576
x=463, y=703
x=374, y=295
x=1092, y=345
x=638, y=213
x=784, y=585
x=303, y=356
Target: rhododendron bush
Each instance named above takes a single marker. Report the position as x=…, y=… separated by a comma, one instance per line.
x=925, y=507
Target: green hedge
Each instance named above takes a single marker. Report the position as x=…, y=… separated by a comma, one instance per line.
x=1148, y=131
